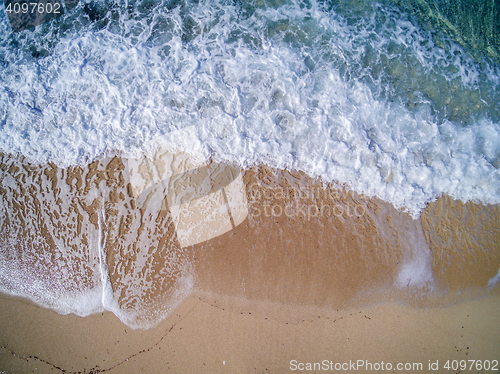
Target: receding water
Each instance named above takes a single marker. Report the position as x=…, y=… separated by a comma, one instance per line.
x=396, y=100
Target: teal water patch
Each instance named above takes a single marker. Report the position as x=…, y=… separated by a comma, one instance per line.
x=475, y=24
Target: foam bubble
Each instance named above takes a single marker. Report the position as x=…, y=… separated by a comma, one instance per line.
x=494, y=280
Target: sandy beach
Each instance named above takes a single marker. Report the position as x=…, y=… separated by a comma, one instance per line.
x=268, y=186
x=208, y=333
x=314, y=277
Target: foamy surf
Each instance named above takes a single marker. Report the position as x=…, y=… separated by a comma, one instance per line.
x=364, y=99
x=369, y=101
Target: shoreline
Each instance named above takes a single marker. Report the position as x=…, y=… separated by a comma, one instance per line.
x=355, y=243
x=328, y=255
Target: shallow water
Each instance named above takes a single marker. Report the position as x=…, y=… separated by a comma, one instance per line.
x=398, y=104
x=136, y=236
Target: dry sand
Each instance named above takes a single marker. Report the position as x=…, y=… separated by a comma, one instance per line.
x=313, y=273
x=213, y=334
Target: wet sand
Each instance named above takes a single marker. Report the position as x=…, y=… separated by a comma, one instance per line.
x=314, y=272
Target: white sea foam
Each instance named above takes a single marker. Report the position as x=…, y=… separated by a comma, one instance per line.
x=48, y=291
x=290, y=87
x=494, y=280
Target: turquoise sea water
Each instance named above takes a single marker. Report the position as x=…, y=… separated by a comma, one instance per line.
x=396, y=99
x=474, y=24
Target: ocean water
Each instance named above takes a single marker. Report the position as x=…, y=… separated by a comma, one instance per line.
x=396, y=101
x=355, y=92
